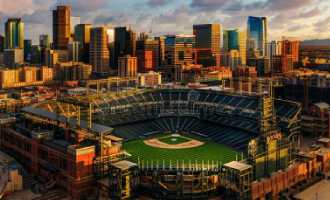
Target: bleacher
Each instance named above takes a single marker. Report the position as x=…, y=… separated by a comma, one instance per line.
x=222, y=117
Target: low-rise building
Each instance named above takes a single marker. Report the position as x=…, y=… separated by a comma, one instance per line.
x=72, y=71
x=150, y=79
x=127, y=66
x=13, y=57
x=315, y=121
x=25, y=76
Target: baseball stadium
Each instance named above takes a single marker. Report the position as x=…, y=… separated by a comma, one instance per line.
x=182, y=138
x=168, y=143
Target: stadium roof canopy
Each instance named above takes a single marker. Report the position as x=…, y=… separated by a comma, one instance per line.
x=39, y=112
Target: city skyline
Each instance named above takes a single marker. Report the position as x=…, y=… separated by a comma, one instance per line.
x=167, y=16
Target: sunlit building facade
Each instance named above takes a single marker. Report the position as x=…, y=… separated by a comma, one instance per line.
x=257, y=35
x=61, y=27
x=99, y=55
x=179, y=49
x=14, y=33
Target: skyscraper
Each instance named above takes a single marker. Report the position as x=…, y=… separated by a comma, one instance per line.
x=231, y=40
x=290, y=46
x=27, y=50
x=61, y=27
x=207, y=47
x=82, y=35
x=161, y=49
x=14, y=35
x=242, y=38
x=74, y=22
x=179, y=49
x=44, y=41
x=256, y=36
x=208, y=36
x=98, y=50
x=148, y=45
x=125, y=43
x=234, y=46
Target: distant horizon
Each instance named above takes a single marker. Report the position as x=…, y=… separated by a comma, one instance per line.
x=302, y=19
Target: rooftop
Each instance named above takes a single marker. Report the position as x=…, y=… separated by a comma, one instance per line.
x=238, y=166
x=124, y=165
x=96, y=128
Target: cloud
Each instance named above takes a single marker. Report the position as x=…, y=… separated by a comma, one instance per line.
x=211, y=5
x=270, y=5
x=322, y=25
x=310, y=13
x=176, y=16
x=284, y=5
x=157, y=3
x=81, y=6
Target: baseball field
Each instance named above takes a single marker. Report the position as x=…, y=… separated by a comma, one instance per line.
x=174, y=148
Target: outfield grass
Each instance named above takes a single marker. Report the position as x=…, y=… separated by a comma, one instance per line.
x=208, y=152
x=178, y=140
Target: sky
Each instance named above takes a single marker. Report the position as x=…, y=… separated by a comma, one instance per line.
x=303, y=19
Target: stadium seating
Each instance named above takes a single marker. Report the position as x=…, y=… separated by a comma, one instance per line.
x=225, y=118
x=217, y=133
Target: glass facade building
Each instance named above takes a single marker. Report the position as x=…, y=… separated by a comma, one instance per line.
x=231, y=40
x=257, y=34
x=14, y=33
x=179, y=49
x=208, y=36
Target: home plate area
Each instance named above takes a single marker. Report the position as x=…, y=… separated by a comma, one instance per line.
x=173, y=141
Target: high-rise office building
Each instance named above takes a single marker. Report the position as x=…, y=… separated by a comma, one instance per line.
x=14, y=33
x=2, y=43
x=144, y=61
x=208, y=36
x=256, y=36
x=35, y=54
x=82, y=35
x=125, y=43
x=179, y=49
x=61, y=27
x=290, y=46
x=231, y=40
x=27, y=50
x=74, y=22
x=235, y=40
x=242, y=38
x=98, y=50
x=127, y=66
x=147, y=45
x=44, y=41
x=161, y=49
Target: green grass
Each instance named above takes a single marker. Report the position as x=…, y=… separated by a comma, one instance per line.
x=208, y=152
x=178, y=140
